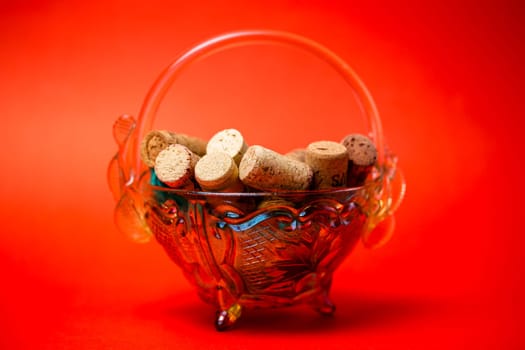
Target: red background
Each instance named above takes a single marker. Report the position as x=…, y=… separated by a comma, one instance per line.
x=447, y=79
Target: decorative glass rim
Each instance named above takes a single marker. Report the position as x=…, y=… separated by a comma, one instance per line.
x=283, y=194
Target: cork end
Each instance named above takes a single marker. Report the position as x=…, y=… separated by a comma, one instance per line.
x=249, y=163
x=229, y=141
x=174, y=165
x=216, y=171
x=361, y=150
x=327, y=150
x=153, y=143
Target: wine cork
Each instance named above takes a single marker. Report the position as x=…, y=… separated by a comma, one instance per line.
x=174, y=166
x=229, y=141
x=157, y=140
x=297, y=154
x=217, y=171
x=153, y=143
x=264, y=169
x=329, y=162
x=362, y=155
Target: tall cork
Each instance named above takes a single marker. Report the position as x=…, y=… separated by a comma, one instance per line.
x=267, y=170
x=217, y=171
x=174, y=166
x=157, y=140
x=362, y=155
x=229, y=141
x=329, y=162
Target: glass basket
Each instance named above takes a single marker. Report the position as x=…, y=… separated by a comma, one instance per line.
x=237, y=253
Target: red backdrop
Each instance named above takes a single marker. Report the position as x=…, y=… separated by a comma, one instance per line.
x=447, y=79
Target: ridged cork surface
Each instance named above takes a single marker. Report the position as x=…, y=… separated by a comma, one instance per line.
x=264, y=169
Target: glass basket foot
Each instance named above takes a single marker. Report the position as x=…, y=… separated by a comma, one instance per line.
x=324, y=305
x=227, y=318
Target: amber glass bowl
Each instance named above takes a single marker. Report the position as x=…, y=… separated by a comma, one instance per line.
x=253, y=249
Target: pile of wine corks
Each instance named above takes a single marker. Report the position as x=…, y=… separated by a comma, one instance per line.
x=226, y=163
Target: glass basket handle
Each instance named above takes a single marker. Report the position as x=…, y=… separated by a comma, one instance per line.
x=241, y=38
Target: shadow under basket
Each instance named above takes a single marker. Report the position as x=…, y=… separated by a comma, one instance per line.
x=254, y=249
